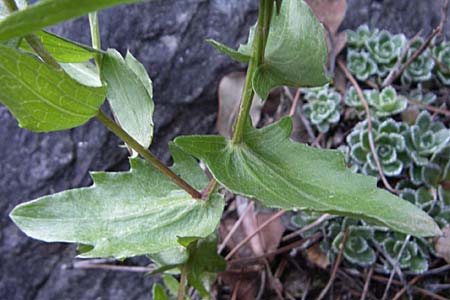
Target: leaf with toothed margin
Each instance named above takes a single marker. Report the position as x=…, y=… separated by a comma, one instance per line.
x=125, y=214
x=43, y=98
x=296, y=51
x=280, y=173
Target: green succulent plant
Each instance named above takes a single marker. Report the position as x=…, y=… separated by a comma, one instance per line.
x=385, y=49
x=389, y=144
x=361, y=64
x=387, y=102
x=352, y=99
x=421, y=68
x=357, y=39
x=441, y=53
x=425, y=138
x=414, y=256
x=427, y=98
x=323, y=109
x=422, y=197
x=358, y=249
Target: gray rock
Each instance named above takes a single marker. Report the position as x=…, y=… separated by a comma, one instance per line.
x=168, y=37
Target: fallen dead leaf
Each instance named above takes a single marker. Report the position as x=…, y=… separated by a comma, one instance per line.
x=330, y=12
x=230, y=92
x=442, y=244
x=318, y=257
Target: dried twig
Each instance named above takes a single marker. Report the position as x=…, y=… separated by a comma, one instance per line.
x=249, y=237
x=235, y=227
x=302, y=117
x=429, y=107
x=367, y=283
x=102, y=266
x=404, y=289
x=294, y=103
x=336, y=266
x=417, y=289
x=390, y=78
x=369, y=125
x=312, y=239
x=317, y=222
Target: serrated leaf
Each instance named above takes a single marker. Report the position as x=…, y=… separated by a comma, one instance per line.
x=50, y=12
x=61, y=49
x=280, y=173
x=130, y=95
x=296, y=51
x=43, y=98
x=123, y=214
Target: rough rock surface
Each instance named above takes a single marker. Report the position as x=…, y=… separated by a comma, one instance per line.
x=168, y=37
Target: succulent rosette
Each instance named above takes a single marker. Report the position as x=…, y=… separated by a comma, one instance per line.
x=425, y=138
x=413, y=257
x=441, y=53
x=385, y=49
x=421, y=68
x=389, y=144
x=387, y=102
x=357, y=39
x=358, y=249
x=361, y=64
x=323, y=109
x=427, y=98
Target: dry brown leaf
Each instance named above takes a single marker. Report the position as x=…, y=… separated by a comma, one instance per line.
x=330, y=12
x=230, y=92
x=318, y=257
x=442, y=244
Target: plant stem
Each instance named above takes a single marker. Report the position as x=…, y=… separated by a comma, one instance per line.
x=257, y=58
x=146, y=154
x=95, y=36
x=183, y=279
x=34, y=42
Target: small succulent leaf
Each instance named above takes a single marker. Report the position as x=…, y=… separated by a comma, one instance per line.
x=50, y=12
x=431, y=174
x=130, y=95
x=123, y=214
x=360, y=64
x=204, y=263
x=295, y=176
x=234, y=54
x=158, y=292
x=357, y=39
x=61, y=49
x=43, y=98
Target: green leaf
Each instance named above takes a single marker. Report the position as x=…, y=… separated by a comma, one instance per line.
x=203, y=264
x=85, y=73
x=171, y=284
x=124, y=214
x=280, y=173
x=296, y=50
x=50, y=12
x=236, y=55
x=130, y=95
x=61, y=49
x=43, y=98
x=158, y=292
